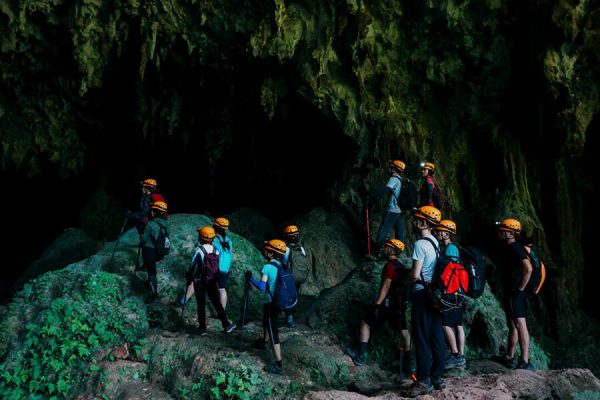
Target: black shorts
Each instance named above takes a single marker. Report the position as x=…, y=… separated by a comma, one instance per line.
x=223, y=280
x=515, y=305
x=453, y=318
x=391, y=315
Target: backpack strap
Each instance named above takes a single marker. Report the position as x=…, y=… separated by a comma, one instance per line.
x=437, y=256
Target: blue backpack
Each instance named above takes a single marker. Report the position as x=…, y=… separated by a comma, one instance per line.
x=285, y=296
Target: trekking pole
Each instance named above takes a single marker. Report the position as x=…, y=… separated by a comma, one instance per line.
x=116, y=244
x=368, y=227
x=401, y=349
x=245, y=304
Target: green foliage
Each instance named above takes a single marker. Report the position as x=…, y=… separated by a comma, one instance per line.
x=59, y=347
x=240, y=383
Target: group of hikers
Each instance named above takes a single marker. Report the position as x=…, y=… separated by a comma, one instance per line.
x=435, y=285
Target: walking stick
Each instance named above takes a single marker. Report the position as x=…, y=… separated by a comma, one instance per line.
x=116, y=244
x=368, y=227
x=245, y=305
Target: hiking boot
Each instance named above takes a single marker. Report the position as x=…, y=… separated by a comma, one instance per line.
x=524, y=365
x=202, y=332
x=259, y=344
x=357, y=359
x=455, y=361
x=438, y=384
x=509, y=363
x=418, y=389
x=274, y=369
x=291, y=324
x=230, y=327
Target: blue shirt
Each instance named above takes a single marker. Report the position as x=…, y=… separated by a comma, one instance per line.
x=271, y=272
x=425, y=252
x=395, y=183
x=452, y=251
x=225, y=256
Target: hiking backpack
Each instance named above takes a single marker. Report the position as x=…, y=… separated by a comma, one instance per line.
x=408, y=197
x=538, y=273
x=438, y=198
x=449, y=283
x=285, y=295
x=403, y=290
x=162, y=244
x=474, y=262
x=209, y=266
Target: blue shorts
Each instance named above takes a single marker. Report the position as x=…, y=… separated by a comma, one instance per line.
x=223, y=280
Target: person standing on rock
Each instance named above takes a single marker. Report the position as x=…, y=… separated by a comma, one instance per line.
x=150, y=196
x=393, y=218
x=295, y=255
x=427, y=334
x=224, y=246
x=389, y=306
x=274, y=251
x=515, y=280
x=150, y=255
x=203, y=280
x=452, y=322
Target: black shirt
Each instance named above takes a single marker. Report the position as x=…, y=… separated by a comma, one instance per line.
x=514, y=272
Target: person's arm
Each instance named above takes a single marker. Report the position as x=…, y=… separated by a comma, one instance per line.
x=383, y=292
x=260, y=285
x=429, y=193
x=527, y=270
x=415, y=272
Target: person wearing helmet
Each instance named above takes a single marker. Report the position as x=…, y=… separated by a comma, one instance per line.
x=389, y=306
x=224, y=246
x=158, y=221
x=427, y=335
x=452, y=322
x=203, y=280
x=274, y=251
x=295, y=257
x=150, y=196
x=393, y=218
x=515, y=280
x=428, y=186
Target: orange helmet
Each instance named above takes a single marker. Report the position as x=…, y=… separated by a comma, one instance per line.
x=291, y=230
x=221, y=222
x=428, y=165
x=206, y=234
x=429, y=213
x=160, y=206
x=398, y=165
x=510, y=225
x=278, y=246
x=446, y=225
x=149, y=183
x=395, y=244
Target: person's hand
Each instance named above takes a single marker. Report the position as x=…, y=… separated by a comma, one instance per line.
x=376, y=310
x=248, y=275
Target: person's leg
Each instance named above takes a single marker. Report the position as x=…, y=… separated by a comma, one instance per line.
x=400, y=226
x=213, y=295
x=149, y=257
x=201, y=305
x=523, y=334
x=450, y=339
x=385, y=230
x=460, y=339
x=438, y=346
x=223, y=289
x=420, y=337
x=513, y=338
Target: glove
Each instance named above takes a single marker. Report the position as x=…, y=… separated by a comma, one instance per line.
x=183, y=301
x=248, y=275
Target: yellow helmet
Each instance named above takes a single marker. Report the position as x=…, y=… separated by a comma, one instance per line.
x=206, y=234
x=429, y=213
x=428, y=165
x=160, y=206
x=510, y=225
x=398, y=165
x=395, y=244
x=149, y=183
x=291, y=230
x=221, y=222
x=446, y=225
x=276, y=245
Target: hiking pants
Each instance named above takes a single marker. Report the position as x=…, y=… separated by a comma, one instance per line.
x=428, y=338
x=149, y=257
x=213, y=295
x=391, y=221
x=270, y=322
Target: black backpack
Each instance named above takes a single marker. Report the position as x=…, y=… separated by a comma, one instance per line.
x=408, y=197
x=538, y=273
x=285, y=296
x=162, y=244
x=474, y=261
x=438, y=198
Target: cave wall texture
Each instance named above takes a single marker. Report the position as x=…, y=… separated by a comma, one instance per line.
x=501, y=95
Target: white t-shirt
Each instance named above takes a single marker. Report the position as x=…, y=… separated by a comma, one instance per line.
x=209, y=249
x=425, y=252
x=395, y=183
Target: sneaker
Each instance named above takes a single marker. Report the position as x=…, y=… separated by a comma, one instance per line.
x=291, y=324
x=418, y=389
x=509, y=363
x=455, y=361
x=524, y=365
x=230, y=327
x=357, y=359
x=274, y=369
x=438, y=384
x=202, y=332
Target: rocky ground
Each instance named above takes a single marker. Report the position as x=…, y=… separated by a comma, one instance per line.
x=84, y=332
